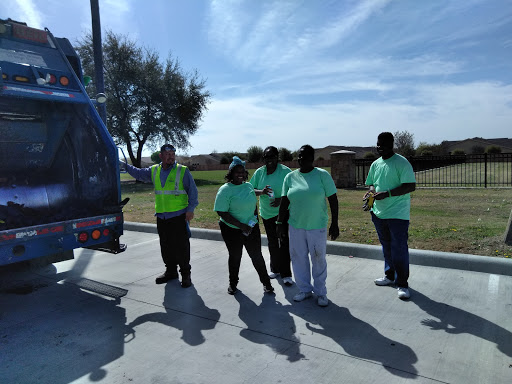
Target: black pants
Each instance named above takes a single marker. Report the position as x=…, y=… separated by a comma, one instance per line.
x=174, y=243
x=279, y=248
x=235, y=241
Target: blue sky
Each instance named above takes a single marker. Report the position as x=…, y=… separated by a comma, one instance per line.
x=321, y=72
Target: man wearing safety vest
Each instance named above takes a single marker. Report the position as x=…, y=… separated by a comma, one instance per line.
x=175, y=201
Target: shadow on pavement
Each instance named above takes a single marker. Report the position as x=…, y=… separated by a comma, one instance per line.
x=354, y=336
x=184, y=310
x=269, y=318
x=457, y=321
x=56, y=333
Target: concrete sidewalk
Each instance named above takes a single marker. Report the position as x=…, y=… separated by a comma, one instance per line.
x=121, y=327
x=417, y=256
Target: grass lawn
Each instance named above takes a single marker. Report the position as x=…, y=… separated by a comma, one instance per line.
x=469, y=221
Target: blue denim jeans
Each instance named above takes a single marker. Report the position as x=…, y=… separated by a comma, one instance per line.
x=393, y=235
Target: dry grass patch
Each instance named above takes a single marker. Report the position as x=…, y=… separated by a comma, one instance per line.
x=469, y=221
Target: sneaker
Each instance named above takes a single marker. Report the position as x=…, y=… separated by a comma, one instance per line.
x=232, y=290
x=383, y=281
x=287, y=281
x=268, y=289
x=302, y=296
x=274, y=275
x=186, y=281
x=323, y=301
x=403, y=293
x=165, y=277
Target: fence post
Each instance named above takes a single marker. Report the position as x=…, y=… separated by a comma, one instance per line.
x=485, y=177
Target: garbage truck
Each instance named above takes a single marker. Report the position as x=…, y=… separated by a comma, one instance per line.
x=59, y=172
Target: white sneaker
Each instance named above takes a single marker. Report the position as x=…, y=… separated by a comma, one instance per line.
x=323, y=301
x=287, y=281
x=403, y=293
x=302, y=296
x=273, y=275
x=383, y=281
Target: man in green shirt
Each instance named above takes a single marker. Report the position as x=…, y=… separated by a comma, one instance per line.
x=391, y=180
x=268, y=185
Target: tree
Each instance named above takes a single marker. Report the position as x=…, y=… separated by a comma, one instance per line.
x=425, y=149
x=369, y=155
x=155, y=157
x=227, y=157
x=147, y=102
x=285, y=154
x=254, y=154
x=404, y=143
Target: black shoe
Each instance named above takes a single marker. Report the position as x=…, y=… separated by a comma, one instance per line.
x=165, y=277
x=186, y=281
x=268, y=289
x=232, y=290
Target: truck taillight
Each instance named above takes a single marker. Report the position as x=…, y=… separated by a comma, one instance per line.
x=4, y=76
x=96, y=234
x=53, y=79
x=64, y=81
x=83, y=237
x=106, y=232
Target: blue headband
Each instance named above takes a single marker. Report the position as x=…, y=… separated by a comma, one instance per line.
x=236, y=161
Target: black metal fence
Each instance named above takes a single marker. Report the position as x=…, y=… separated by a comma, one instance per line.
x=479, y=170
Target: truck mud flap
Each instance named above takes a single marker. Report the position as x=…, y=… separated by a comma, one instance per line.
x=111, y=247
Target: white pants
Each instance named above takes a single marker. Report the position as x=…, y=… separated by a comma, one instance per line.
x=303, y=244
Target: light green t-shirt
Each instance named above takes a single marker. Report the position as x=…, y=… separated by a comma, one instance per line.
x=307, y=193
x=388, y=174
x=238, y=200
x=261, y=179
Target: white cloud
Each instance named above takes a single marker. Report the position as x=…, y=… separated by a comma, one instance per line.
x=447, y=112
x=24, y=11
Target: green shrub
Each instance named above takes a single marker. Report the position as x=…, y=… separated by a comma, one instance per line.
x=155, y=157
x=285, y=154
x=493, y=149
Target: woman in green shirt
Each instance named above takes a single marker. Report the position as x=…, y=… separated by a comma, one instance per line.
x=236, y=205
x=304, y=207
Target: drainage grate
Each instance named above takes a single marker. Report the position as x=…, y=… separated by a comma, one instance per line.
x=100, y=288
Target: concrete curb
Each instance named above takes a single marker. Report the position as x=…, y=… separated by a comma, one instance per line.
x=460, y=261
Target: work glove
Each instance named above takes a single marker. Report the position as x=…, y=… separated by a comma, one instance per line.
x=368, y=200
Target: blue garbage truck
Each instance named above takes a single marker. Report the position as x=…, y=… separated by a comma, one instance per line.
x=59, y=173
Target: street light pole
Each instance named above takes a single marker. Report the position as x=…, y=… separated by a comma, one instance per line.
x=98, y=57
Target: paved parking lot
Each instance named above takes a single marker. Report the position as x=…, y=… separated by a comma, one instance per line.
x=101, y=318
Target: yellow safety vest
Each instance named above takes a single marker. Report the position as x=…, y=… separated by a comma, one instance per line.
x=172, y=197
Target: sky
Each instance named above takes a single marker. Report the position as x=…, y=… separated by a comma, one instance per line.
x=320, y=72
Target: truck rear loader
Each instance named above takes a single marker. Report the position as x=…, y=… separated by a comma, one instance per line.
x=59, y=172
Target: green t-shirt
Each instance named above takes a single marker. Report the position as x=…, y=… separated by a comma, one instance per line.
x=307, y=193
x=388, y=174
x=261, y=179
x=238, y=200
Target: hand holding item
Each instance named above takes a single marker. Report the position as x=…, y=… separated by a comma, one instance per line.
x=368, y=200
